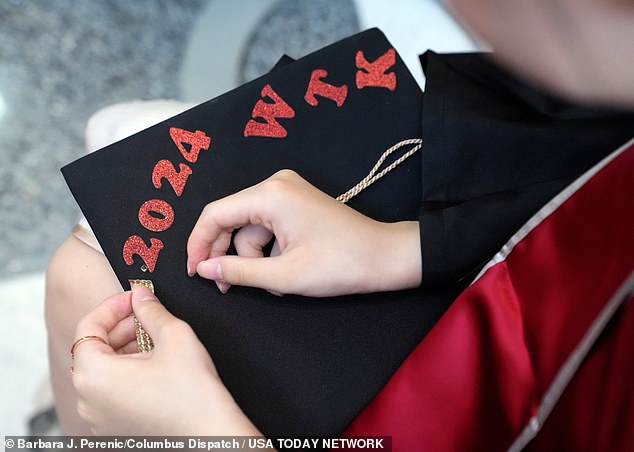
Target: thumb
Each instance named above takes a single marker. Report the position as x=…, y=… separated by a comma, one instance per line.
x=150, y=312
x=262, y=272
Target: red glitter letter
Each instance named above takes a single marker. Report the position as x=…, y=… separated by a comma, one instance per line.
x=165, y=170
x=374, y=74
x=153, y=223
x=278, y=109
x=198, y=140
x=136, y=245
x=316, y=86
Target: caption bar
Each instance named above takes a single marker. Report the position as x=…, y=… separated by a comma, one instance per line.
x=382, y=443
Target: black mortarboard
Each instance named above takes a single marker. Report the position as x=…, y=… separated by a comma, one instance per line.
x=297, y=366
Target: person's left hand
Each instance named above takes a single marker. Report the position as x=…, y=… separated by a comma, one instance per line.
x=172, y=390
x=322, y=247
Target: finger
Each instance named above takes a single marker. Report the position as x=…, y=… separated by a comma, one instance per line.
x=251, y=239
x=210, y=237
x=129, y=348
x=101, y=321
x=249, y=242
x=150, y=312
x=270, y=273
x=215, y=244
x=98, y=323
x=122, y=333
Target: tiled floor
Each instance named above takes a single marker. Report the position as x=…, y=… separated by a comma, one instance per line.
x=60, y=61
x=23, y=352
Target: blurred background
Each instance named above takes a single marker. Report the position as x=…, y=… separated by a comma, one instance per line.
x=62, y=60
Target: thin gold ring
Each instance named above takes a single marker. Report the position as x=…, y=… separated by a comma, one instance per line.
x=85, y=339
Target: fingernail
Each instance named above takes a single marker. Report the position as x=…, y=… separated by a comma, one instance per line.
x=142, y=293
x=210, y=270
x=190, y=272
x=223, y=287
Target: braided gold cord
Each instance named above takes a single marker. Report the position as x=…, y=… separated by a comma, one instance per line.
x=372, y=176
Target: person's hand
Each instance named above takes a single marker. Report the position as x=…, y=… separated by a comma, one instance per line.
x=172, y=390
x=322, y=248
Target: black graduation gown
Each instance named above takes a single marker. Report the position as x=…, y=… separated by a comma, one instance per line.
x=495, y=150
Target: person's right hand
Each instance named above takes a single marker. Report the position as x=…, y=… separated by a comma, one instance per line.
x=172, y=390
x=323, y=247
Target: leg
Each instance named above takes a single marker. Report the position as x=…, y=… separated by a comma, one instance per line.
x=78, y=278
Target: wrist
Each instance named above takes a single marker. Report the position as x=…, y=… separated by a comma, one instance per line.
x=398, y=259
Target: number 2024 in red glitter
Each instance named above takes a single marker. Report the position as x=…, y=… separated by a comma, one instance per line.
x=157, y=215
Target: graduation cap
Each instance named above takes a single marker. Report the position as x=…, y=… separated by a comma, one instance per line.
x=295, y=365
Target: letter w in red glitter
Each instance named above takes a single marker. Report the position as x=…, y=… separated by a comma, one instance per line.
x=269, y=112
x=373, y=74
